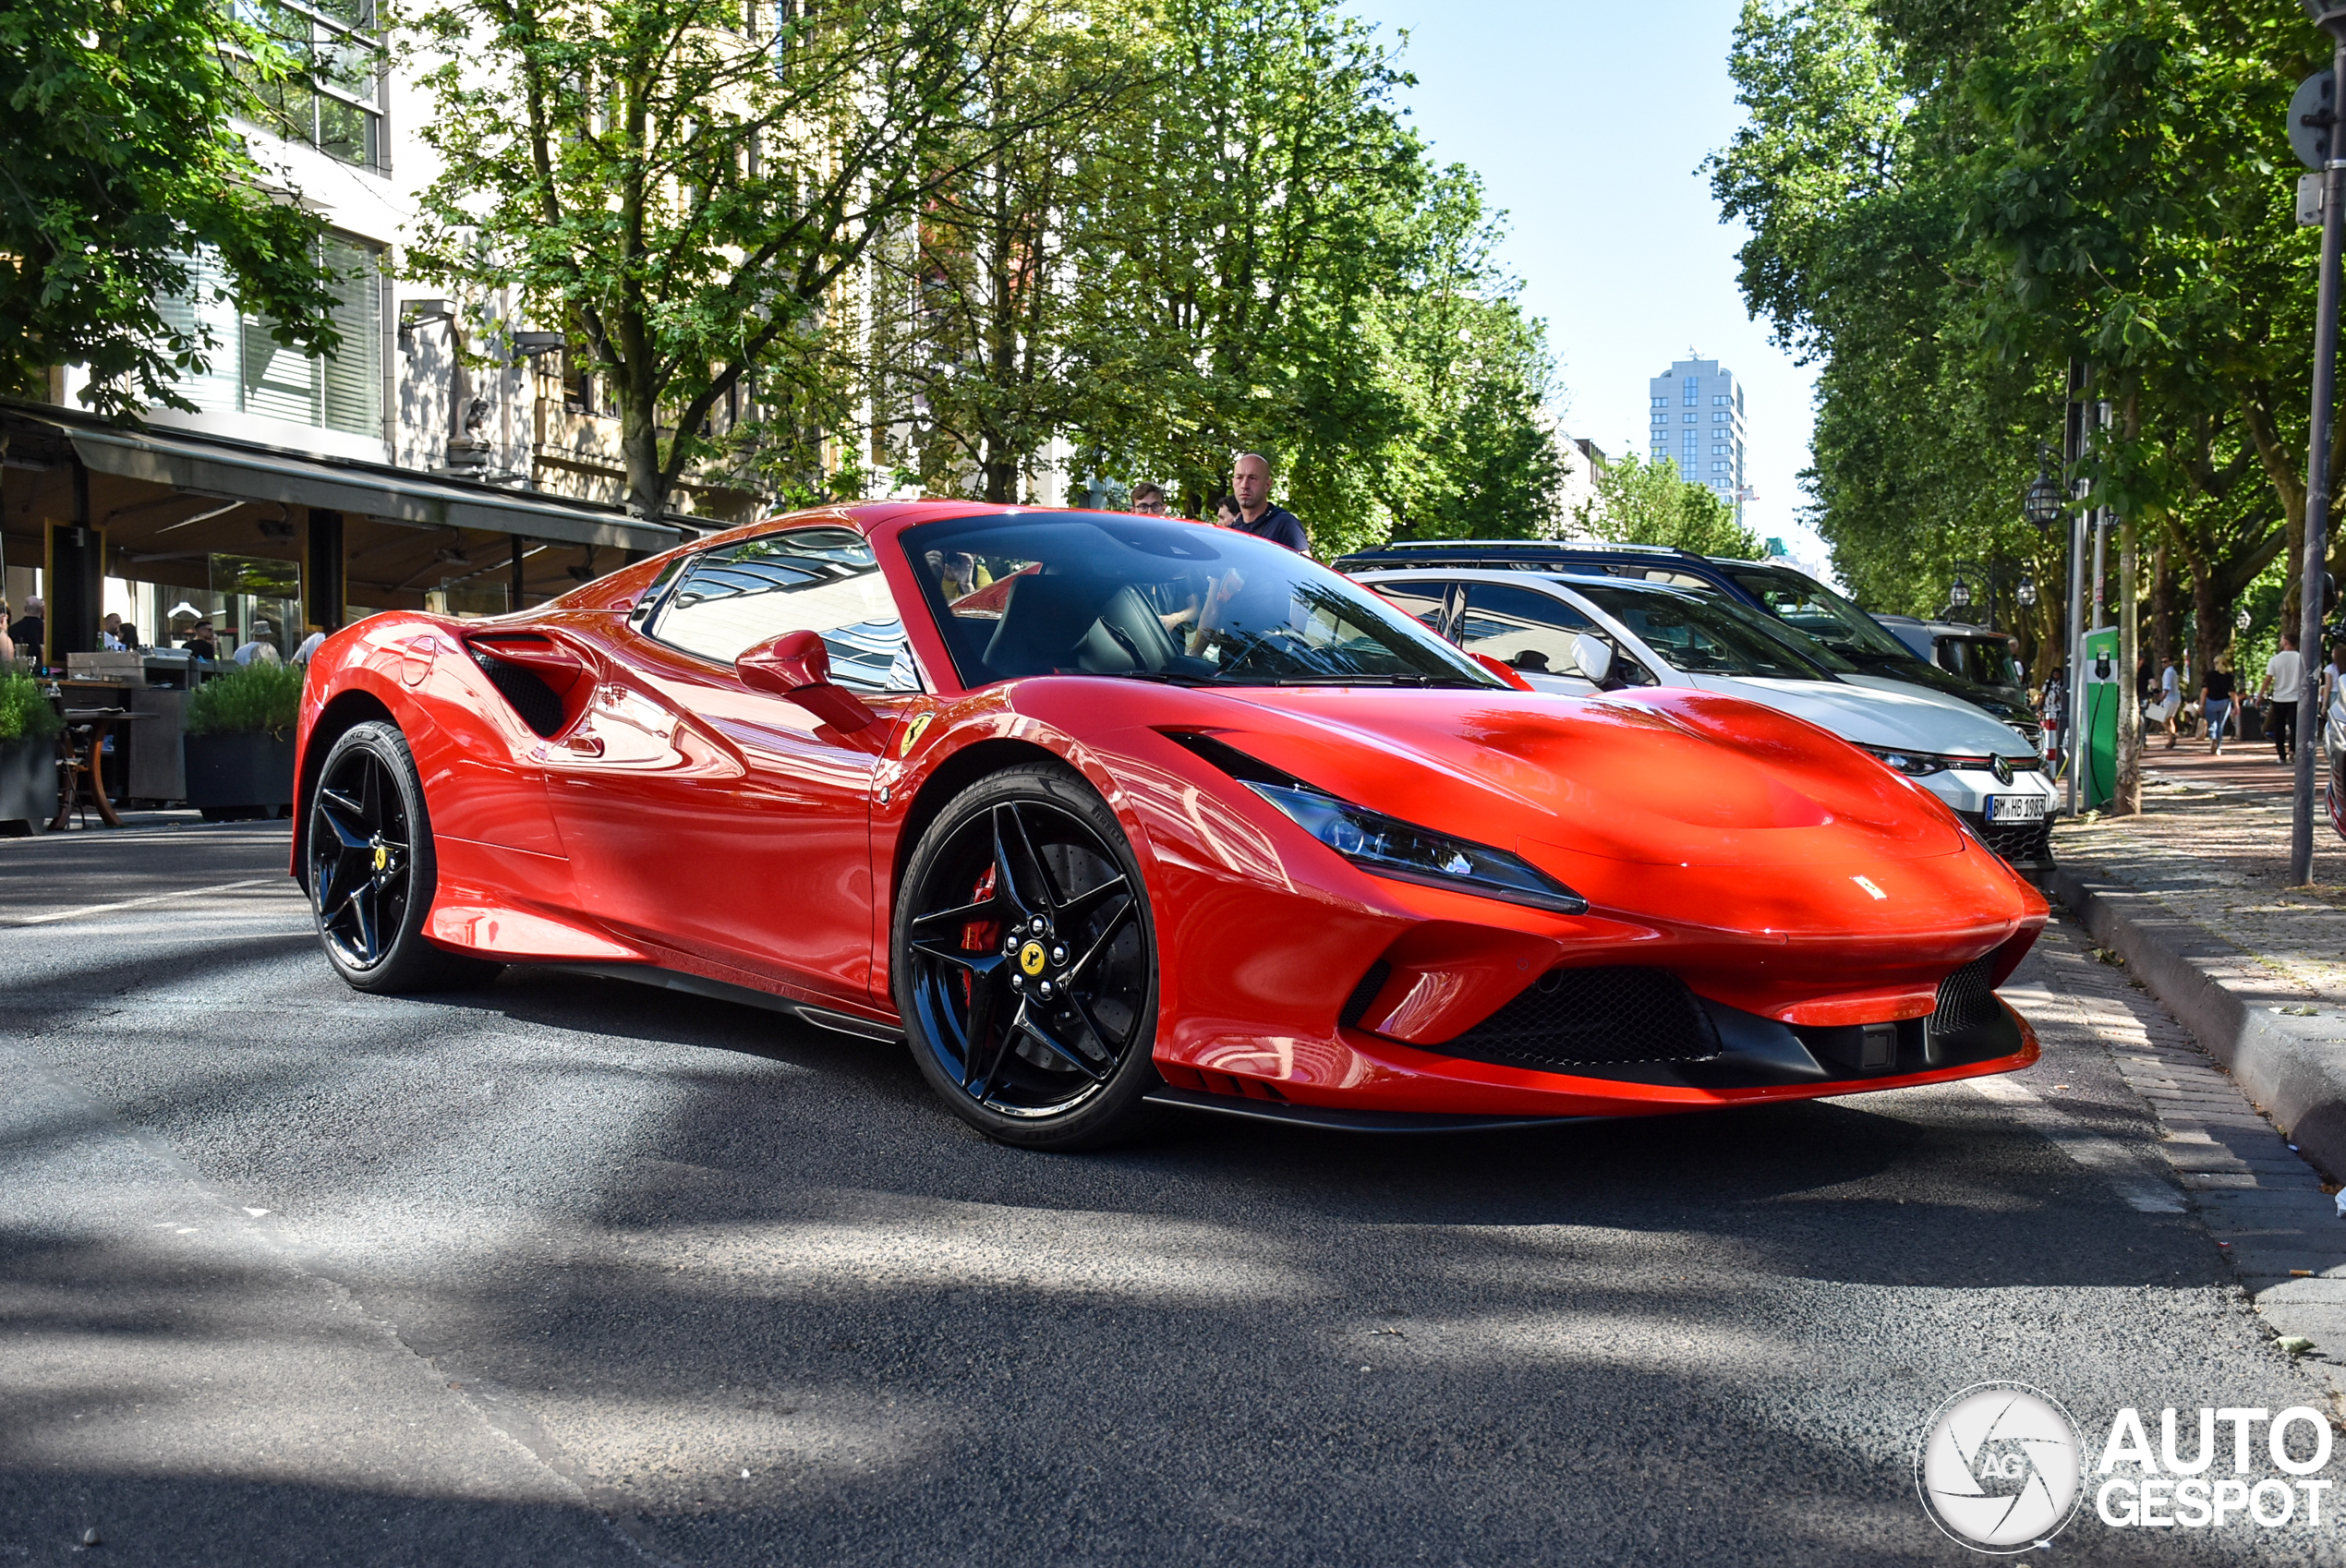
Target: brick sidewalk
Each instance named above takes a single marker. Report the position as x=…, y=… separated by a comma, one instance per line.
x=2217, y=853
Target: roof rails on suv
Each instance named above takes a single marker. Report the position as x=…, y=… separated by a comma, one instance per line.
x=1517, y=550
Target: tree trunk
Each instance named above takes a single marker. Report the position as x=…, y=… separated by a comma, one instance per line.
x=2162, y=609
x=639, y=450
x=2211, y=626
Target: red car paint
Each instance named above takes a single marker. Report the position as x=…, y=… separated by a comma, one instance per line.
x=681, y=819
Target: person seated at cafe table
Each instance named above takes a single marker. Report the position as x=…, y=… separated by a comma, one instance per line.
x=198, y=642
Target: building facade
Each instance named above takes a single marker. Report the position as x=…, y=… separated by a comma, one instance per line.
x=1698, y=423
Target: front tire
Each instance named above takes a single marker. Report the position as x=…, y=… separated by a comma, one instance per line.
x=1025, y=956
x=372, y=871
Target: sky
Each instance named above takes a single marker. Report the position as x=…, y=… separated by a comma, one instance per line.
x=1588, y=120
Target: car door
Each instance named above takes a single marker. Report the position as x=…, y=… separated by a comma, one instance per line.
x=1532, y=632
x=1430, y=599
x=723, y=820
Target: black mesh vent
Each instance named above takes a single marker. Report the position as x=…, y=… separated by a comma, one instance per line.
x=2022, y=843
x=1606, y=1017
x=1966, y=1000
x=520, y=687
x=1365, y=993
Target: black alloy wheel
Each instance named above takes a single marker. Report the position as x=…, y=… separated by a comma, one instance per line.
x=371, y=871
x=1025, y=962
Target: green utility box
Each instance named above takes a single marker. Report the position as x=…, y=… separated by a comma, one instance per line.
x=2106, y=687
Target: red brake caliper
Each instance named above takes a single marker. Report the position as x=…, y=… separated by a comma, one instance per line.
x=979, y=936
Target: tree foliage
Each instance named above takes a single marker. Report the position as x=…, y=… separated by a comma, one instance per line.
x=1950, y=202
x=122, y=163
x=1649, y=503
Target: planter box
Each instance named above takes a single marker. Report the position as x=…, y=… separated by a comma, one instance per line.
x=239, y=777
x=28, y=786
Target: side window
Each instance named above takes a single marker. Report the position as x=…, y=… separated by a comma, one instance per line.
x=1528, y=631
x=1425, y=598
x=820, y=580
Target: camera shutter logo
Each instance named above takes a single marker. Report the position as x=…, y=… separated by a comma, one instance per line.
x=2000, y=1467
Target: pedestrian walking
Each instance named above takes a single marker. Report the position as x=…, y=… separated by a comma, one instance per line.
x=2284, y=679
x=2170, y=701
x=2215, y=703
x=1251, y=483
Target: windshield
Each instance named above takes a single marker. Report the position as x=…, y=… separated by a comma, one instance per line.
x=1058, y=593
x=1709, y=637
x=1810, y=607
x=1989, y=662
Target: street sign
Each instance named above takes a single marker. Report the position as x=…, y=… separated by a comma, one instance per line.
x=2309, y=200
x=2309, y=112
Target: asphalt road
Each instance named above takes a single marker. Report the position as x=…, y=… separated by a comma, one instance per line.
x=571, y=1272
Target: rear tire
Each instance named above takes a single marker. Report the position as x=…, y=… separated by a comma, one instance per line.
x=372, y=871
x=1025, y=958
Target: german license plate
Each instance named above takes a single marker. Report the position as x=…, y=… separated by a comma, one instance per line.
x=2015, y=808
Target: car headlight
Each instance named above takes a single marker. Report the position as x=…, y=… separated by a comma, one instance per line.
x=1922, y=765
x=1388, y=847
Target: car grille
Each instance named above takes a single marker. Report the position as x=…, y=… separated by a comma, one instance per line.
x=1605, y=1016
x=1966, y=998
x=2032, y=733
x=2020, y=843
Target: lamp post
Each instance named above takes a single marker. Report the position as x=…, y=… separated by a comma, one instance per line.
x=2330, y=17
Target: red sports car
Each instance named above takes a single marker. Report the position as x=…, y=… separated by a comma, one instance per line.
x=1105, y=812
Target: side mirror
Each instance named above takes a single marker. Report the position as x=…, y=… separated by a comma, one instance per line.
x=1594, y=656
x=796, y=665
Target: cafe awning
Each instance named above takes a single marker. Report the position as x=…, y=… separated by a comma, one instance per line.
x=208, y=465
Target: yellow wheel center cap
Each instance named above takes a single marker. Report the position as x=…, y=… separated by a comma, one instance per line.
x=382, y=857
x=1030, y=959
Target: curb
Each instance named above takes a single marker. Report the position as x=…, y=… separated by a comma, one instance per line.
x=2228, y=1001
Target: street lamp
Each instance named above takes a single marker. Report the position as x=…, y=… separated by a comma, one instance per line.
x=2026, y=594
x=2043, y=503
x=1959, y=594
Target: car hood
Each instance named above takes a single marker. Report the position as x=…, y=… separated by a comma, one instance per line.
x=1873, y=710
x=1671, y=777
x=1921, y=674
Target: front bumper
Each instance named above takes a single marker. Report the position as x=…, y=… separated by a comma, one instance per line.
x=2025, y=846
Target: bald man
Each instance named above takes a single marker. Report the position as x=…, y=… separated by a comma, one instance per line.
x=1251, y=483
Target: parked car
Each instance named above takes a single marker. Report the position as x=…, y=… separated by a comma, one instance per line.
x=1180, y=817
x=1651, y=635
x=1793, y=598
x=1980, y=653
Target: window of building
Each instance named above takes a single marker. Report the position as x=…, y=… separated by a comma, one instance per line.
x=1693, y=392
x=1690, y=418
x=337, y=108
x=1662, y=403
x=251, y=372
x=1721, y=399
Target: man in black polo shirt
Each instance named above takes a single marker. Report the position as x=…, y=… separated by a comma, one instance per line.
x=1251, y=483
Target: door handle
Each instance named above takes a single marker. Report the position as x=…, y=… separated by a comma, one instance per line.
x=583, y=745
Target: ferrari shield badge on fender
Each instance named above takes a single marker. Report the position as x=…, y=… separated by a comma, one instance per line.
x=913, y=733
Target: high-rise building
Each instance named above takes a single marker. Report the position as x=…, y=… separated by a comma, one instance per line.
x=1698, y=424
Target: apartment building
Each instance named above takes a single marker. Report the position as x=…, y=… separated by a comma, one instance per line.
x=1698, y=423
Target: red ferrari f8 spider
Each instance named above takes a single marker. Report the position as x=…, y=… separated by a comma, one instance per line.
x=1103, y=812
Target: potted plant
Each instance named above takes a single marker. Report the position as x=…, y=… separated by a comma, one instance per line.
x=241, y=742
x=29, y=726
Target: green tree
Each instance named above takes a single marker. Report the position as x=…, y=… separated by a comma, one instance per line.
x=691, y=200
x=1649, y=504
x=122, y=163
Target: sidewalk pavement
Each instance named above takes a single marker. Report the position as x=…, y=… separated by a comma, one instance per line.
x=2191, y=900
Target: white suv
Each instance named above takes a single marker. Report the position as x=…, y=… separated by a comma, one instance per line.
x=1548, y=627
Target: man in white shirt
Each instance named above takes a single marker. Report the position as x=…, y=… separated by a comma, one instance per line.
x=2170, y=700
x=2284, y=680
